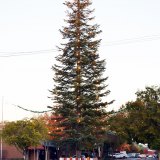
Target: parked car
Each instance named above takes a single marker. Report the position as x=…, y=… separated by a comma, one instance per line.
x=90, y=154
x=134, y=156
x=80, y=156
x=119, y=155
x=142, y=155
x=151, y=156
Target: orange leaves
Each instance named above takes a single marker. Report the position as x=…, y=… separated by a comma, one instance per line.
x=52, y=122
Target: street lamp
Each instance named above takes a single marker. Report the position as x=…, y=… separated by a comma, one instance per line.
x=2, y=130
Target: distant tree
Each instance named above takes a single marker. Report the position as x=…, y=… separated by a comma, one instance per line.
x=118, y=124
x=125, y=147
x=136, y=148
x=80, y=90
x=24, y=133
x=150, y=97
x=139, y=121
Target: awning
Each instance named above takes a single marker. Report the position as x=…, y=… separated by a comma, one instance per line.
x=40, y=147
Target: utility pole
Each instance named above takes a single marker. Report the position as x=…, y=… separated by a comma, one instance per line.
x=2, y=129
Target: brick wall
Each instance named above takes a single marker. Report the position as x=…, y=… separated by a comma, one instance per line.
x=10, y=152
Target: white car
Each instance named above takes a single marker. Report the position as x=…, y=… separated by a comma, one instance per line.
x=119, y=155
x=142, y=156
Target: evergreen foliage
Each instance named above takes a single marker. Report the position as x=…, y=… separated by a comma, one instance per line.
x=80, y=87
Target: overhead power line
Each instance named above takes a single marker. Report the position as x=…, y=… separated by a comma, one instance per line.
x=133, y=40
x=13, y=54
x=112, y=43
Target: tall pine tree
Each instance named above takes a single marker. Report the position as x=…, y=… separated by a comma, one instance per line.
x=80, y=89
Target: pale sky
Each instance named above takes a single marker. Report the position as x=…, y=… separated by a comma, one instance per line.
x=130, y=45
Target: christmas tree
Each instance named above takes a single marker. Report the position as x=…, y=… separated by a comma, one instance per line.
x=80, y=89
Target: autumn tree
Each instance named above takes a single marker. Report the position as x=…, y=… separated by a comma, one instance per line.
x=80, y=91
x=51, y=123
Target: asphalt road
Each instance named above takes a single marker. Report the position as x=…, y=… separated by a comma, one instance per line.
x=138, y=159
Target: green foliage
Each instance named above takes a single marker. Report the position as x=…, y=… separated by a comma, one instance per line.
x=136, y=148
x=118, y=124
x=79, y=82
x=150, y=97
x=139, y=120
x=24, y=133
